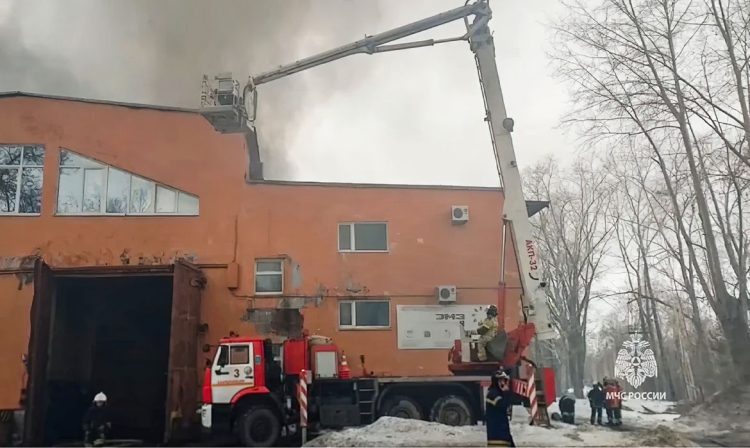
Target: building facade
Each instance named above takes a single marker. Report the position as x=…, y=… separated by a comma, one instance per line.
x=88, y=184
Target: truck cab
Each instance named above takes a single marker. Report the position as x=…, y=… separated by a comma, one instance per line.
x=243, y=391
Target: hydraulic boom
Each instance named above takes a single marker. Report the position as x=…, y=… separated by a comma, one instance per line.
x=241, y=109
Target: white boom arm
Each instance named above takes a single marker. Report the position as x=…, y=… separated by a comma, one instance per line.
x=534, y=301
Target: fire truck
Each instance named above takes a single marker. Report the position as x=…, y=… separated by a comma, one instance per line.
x=250, y=392
x=255, y=395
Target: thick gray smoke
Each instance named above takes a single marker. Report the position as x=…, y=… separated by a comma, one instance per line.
x=155, y=52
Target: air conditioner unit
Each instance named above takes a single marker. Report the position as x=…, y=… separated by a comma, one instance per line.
x=460, y=214
x=446, y=294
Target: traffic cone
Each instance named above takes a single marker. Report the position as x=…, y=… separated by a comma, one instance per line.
x=344, y=372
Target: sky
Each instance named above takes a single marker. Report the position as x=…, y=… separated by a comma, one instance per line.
x=414, y=116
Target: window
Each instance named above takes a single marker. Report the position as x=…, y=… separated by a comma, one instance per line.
x=223, y=358
x=239, y=354
x=269, y=276
x=93, y=188
x=21, y=179
x=363, y=237
x=364, y=314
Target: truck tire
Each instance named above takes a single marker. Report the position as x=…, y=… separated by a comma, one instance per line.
x=258, y=426
x=402, y=407
x=451, y=410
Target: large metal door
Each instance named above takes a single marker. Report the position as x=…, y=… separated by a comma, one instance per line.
x=182, y=374
x=41, y=321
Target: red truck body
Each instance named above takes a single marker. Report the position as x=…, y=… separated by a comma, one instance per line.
x=252, y=393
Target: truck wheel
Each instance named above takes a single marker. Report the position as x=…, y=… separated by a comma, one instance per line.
x=451, y=410
x=402, y=407
x=259, y=426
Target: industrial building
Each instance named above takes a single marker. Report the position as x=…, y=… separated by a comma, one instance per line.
x=132, y=237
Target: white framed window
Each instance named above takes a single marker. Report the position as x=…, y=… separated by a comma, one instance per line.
x=89, y=187
x=363, y=237
x=269, y=276
x=21, y=175
x=239, y=354
x=364, y=314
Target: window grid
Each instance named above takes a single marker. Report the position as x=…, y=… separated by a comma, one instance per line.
x=105, y=192
x=352, y=237
x=20, y=167
x=353, y=313
x=268, y=272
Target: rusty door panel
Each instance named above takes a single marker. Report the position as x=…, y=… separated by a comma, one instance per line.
x=41, y=320
x=182, y=375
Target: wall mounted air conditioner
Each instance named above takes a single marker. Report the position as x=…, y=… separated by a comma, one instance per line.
x=460, y=214
x=446, y=294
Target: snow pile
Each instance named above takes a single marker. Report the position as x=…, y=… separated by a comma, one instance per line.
x=392, y=431
x=727, y=410
x=663, y=436
x=641, y=428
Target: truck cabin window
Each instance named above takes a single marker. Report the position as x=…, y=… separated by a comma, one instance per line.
x=223, y=358
x=239, y=354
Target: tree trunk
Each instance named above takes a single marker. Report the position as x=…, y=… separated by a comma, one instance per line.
x=576, y=361
x=738, y=339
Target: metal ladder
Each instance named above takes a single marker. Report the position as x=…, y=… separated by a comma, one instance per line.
x=366, y=393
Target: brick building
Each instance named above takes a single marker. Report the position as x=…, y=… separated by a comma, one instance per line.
x=105, y=198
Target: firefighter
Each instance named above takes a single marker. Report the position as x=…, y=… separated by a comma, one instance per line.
x=487, y=331
x=499, y=399
x=617, y=411
x=568, y=409
x=596, y=401
x=96, y=424
x=612, y=400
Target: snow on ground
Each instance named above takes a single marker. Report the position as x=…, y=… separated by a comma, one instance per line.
x=639, y=429
x=721, y=420
x=392, y=431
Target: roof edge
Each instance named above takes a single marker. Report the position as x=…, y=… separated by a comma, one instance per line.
x=19, y=93
x=294, y=183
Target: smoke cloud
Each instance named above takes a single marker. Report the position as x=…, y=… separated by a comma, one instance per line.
x=157, y=51
x=411, y=116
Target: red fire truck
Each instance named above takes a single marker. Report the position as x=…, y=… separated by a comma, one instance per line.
x=249, y=392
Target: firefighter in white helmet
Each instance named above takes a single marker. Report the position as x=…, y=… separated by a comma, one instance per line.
x=487, y=332
x=96, y=422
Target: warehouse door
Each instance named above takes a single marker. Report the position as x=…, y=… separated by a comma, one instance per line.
x=41, y=321
x=182, y=377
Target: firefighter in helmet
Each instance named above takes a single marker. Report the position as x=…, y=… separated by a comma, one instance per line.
x=487, y=331
x=96, y=423
x=497, y=402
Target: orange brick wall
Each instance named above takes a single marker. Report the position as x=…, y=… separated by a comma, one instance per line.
x=298, y=222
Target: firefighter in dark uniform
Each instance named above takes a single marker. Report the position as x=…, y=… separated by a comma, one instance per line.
x=496, y=411
x=96, y=423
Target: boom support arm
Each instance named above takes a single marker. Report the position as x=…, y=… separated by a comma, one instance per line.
x=534, y=302
x=375, y=44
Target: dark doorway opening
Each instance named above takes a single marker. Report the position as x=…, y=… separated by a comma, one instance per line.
x=111, y=335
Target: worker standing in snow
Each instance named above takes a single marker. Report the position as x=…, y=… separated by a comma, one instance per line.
x=96, y=424
x=618, y=409
x=596, y=401
x=612, y=399
x=496, y=414
x=487, y=332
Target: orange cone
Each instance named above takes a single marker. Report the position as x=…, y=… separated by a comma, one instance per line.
x=344, y=372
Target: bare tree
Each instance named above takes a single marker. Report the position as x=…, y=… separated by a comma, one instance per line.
x=639, y=71
x=572, y=236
